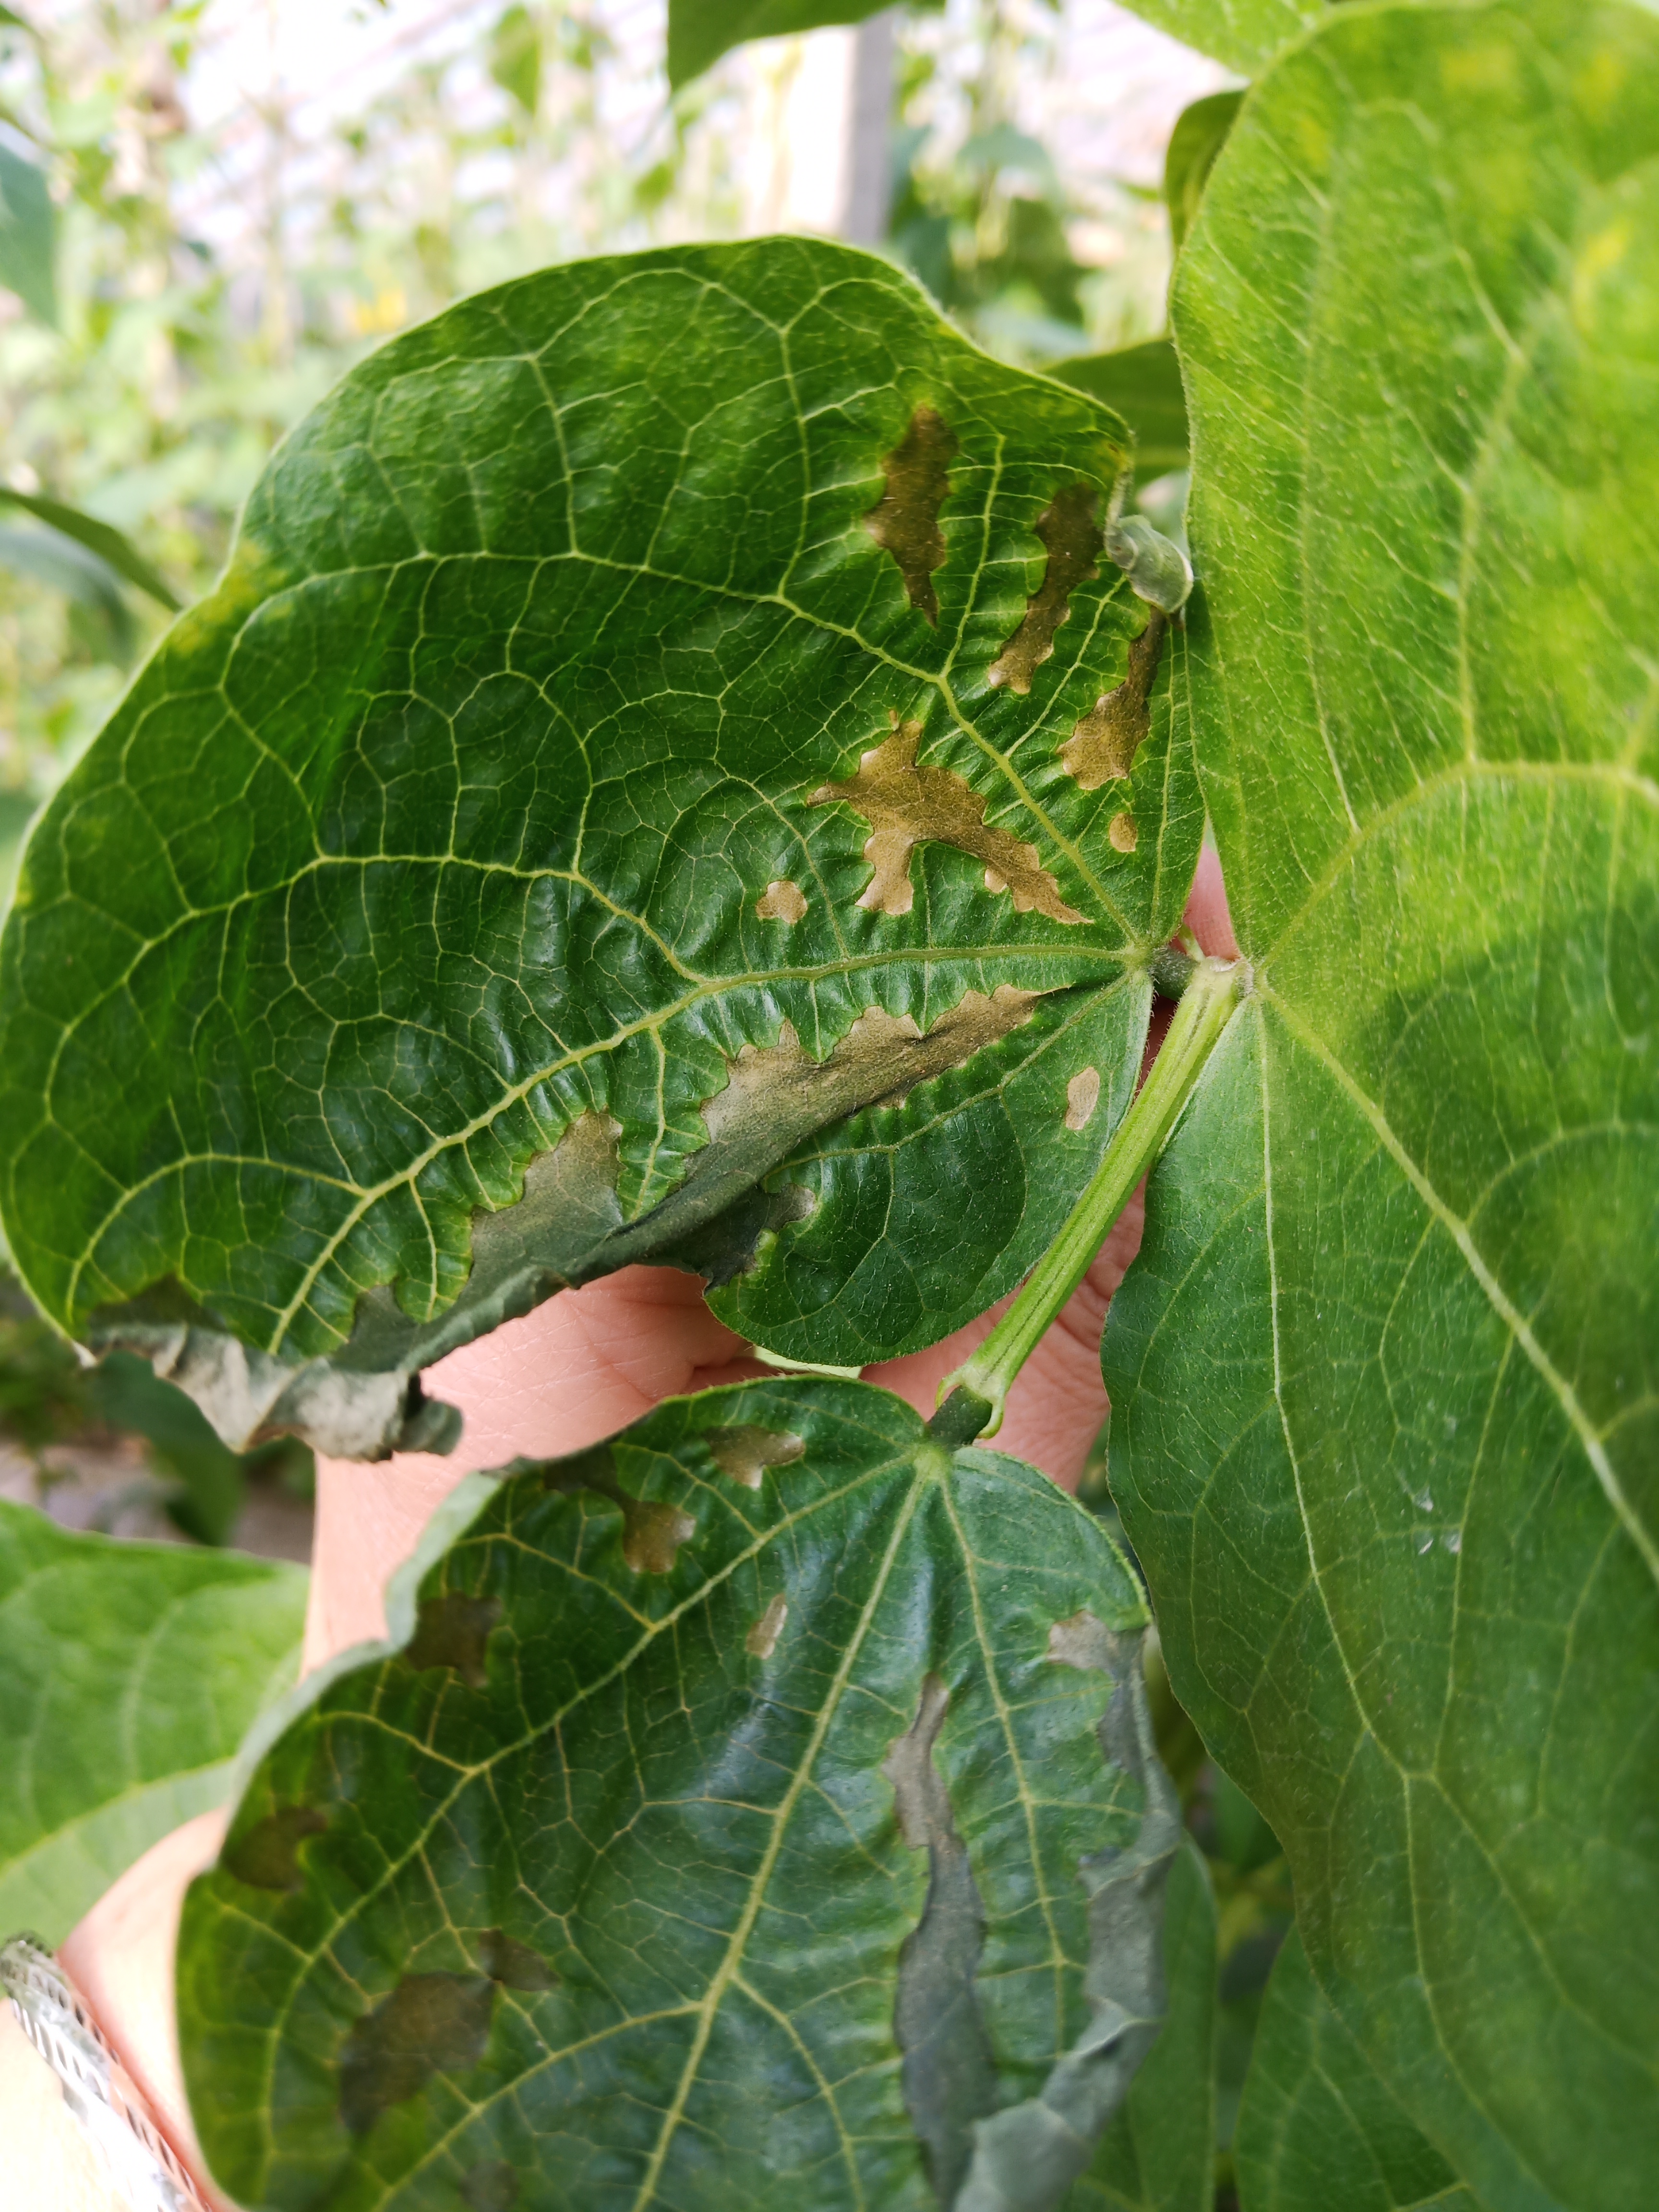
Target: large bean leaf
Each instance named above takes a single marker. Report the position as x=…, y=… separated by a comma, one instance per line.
x=1318, y=2129
x=128, y=1675
x=762, y=1809
x=637, y=729
x=1386, y=1380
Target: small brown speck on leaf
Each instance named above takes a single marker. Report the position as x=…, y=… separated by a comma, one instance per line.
x=762, y=1640
x=781, y=901
x=1082, y=1096
x=1124, y=835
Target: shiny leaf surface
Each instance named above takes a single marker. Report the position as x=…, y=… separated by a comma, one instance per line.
x=487, y=886
x=762, y=1803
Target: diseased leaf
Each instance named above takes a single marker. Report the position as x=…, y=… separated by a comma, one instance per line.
x=701, y=31
x=128, y=1675
x=1142, y=382
x=1384, y=1377
x=1317, y=2128
x=1158, y=2154
x=1246, y=34
x=28, y=229
x=470, y=896
x=774, y=1859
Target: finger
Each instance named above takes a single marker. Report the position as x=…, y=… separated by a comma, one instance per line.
x=580, y=1367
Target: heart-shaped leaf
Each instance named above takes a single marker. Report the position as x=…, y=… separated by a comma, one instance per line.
x=1385, y=1378
x=632, y=735
x=128, y=1675
x=764, y=1802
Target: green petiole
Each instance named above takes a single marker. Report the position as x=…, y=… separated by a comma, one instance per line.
x=971, y=1400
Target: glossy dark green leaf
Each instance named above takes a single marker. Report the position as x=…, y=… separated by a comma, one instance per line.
x=1246, y=34
x=1200, y=134
x=1385, y=1380
x=1141, y=383
x=1158, y=2154
x=111, y=546
x=701, y=31
x=761, y=1807
x=29, y=231
x=128, y=1675
x=1318, y=2129
x=472, y=894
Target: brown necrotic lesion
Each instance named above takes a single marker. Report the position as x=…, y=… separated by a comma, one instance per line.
x=1074, y=540
x=907, y=806
x=904, y=521
x=1103, y=744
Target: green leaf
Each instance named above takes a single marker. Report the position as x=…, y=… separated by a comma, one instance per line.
x=701, y=31
x=472, y=894
x=111, y=546
x=128, y=1675
x=1141, y=383
x=1317, y=2128
x=1246, y=34
x=516, y=57
x=45, y=556
x=1200, y=134
x=28, y=225
x=762, y=1802
x=1158, y=2154
x=1385, y=1378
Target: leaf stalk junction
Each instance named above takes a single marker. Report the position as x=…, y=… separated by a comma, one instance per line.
x=972, y=1398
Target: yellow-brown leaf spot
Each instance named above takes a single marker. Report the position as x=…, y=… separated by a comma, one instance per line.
x=744, y=1453
x=1104, y=743
x=904, y=521
x=1074, y=538
x=906, y=806
x=1083, y=1642
x=762, y=1640
x=1122, y=830
x=781, y=901
x=1082, y=1096
x=652, y=1535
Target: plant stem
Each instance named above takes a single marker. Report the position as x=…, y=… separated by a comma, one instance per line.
x=972, y=1399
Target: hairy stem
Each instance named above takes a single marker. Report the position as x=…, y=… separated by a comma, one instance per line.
x=972, y=1399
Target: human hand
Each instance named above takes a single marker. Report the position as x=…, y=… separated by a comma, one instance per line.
x=578, y=1369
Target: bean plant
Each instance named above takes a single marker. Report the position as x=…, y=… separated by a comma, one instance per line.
x=690, y=761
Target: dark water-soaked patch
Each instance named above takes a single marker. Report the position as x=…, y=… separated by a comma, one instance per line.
x=492, y=2186
x=652, y=1534
x=906, y=806
x=947, y=2072
x=453, y=1630
x=267, y=1855
x=514, y=1965
x=430, y=2024
x=744, y=1452
x=1103, y=744
x=904, y=522
x=1068, y=529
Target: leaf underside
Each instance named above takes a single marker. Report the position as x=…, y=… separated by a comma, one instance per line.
x=763, y=1803
x=1386, y=1377
x=472, y=844
x=128, y=1675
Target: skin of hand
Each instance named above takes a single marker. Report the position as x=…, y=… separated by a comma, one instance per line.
x=577, y=1369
